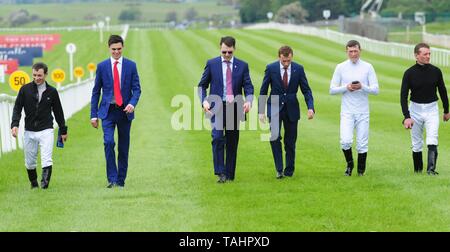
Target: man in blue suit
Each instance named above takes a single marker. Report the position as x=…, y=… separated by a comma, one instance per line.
x=225, y=105
x=284, y=78
x=118, y=81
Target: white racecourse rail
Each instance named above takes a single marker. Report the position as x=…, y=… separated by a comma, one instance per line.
x=74, y=97
x=440, y=56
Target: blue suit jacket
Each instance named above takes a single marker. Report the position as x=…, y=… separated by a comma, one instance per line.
x=104, y=83
x=240, y=81
x=288, y=98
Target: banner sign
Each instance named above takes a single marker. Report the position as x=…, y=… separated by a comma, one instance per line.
x=46, y=41
x=11, y=65
x=24, y=55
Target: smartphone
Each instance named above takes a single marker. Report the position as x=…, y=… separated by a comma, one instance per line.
x=59, y=141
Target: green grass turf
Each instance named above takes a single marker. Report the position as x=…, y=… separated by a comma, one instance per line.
x=171, y=186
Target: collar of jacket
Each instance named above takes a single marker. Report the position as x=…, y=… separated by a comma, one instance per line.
x=35, y=85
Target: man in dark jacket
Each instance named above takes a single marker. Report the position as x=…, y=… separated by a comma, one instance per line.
x=38, y=99
x=226, y=77
x=422, y=80
x=284, y=77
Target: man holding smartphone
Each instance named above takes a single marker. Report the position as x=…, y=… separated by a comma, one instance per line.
x=355, y=79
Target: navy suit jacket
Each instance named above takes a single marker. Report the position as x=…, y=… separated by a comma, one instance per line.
x=240, y=81
x=288, y=98
x=104, y=83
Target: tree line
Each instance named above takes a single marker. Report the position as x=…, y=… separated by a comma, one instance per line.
x=256, y=10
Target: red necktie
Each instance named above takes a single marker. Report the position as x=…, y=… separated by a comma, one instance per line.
x=285, y=78
x=117, y=94
x=230, y=96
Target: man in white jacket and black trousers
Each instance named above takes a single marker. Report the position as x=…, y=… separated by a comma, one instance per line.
x=355, y=79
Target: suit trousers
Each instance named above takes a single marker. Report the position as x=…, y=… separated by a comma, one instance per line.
x=225, y=139
x=116, y=173
x=290, y=139
x=424, y=116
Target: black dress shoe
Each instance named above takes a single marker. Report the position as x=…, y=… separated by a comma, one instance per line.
x=222, y=178
x=279, y=175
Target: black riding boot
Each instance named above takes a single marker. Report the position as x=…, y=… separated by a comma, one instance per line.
x=32, y=176
x=362, y=163
x=432, y=158
x=46, y=174
x=349, y=159
x=418, y=162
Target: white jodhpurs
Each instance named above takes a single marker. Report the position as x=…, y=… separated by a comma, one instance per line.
x=424, y=116
x=350, y=122
x=31, y=143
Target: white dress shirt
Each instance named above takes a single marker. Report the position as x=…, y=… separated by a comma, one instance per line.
x=355, y=102
x=288, y=72
x=119, y=68
x=224, y=76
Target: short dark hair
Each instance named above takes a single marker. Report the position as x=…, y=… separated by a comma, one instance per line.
x=228, y=41
x=40, y=65
x=115, y=39
x=420, y=45
x=353, y=43
x=285, y=51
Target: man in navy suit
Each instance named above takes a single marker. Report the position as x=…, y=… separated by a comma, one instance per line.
x=284, y=78
x=118, y=81
x=228, y=76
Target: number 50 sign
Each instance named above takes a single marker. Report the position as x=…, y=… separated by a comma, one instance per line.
x=17, y=79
